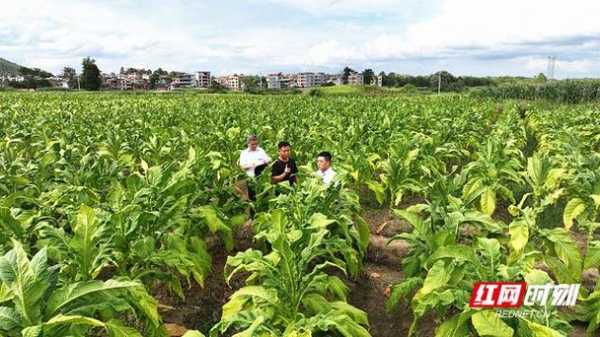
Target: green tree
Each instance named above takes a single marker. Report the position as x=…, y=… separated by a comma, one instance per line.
x=368, y=76
x=70, y=75
x=345, y=74
x=90, y=76
x=155, y=77
x=443, y=79
x=541, y=78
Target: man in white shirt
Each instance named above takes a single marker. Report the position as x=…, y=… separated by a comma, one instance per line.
x=325, y=171
x=253, y=160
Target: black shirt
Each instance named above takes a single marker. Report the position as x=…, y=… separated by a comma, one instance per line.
x=279, y=167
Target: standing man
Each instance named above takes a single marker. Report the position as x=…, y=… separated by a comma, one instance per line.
x=253, y=160
x=325, y=171
x=284, y=168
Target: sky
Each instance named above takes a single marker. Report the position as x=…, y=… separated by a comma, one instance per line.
x=465, y=37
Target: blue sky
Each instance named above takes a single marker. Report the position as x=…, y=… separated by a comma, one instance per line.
x=467, y=37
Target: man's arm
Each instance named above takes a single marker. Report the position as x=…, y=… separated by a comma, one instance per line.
x=281, y=177
x=275, y=178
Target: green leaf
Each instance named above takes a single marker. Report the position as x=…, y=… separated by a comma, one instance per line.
x=70, y=293
x=519, y=235
x=437, y=277
x=252, y=328
x=488, y=323
x=378, y=189
x=318, y=220
x=596, y=198
x=10, y=224
x=488, y=201
x=73, y=320
x=538, y=330
x=116, y=329
x=32, y=331
x=193, y=333
x=215, y=224
x=454, y=327
x=9, y=319
x=537, y=277
x=414, y=219
x=573, y=209
x=88, y=243
x=27, y=281
x=592, y=257
x=259, y=292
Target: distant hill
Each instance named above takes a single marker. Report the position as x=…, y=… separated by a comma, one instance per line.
x=7, y=67
x=11, y=68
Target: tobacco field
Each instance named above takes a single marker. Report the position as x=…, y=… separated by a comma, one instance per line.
x=126, y=215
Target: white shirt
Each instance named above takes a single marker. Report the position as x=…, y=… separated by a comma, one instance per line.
x=327, y=175
x=249, y=160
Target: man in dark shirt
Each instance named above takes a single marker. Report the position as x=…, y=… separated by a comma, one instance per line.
x=284, y=168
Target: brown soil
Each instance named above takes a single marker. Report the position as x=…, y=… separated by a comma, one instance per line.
x=201, y=307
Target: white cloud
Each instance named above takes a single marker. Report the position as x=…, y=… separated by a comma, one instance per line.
x=328, y=7
x=185, y=36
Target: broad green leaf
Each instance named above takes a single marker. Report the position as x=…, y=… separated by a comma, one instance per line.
x=215, y=224
x=252, y=328
x=256, y=292
x=537, y=277
x=70, y=293
x=9, y=319
x=454, y=327
x=592, y=256
x=596, y=198
x=519, y=235
x=116, y=329
x=26, y=280
x=488, y=324
x=538, y=330
x=414, y=219
x=73, y=320
x=378, y=189
x=488, y=202
x=193, y=333
x=573, y=209
x=32, y=331
x=318, y=220
x=437, y=277
x=10, y=224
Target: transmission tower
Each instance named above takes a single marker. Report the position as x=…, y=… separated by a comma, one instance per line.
x=551, y=67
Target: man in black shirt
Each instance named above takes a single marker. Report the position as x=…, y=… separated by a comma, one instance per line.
x=284, y=168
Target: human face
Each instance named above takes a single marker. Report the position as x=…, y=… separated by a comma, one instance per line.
x=252, y=145
x=284, y=152
x=323, y=163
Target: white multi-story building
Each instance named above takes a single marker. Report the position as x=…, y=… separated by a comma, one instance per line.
x=202, y=79
x=183, y=80
x=319, y=79
x=274, y=81
x=305, y=80
x=231, y=82
x=355, y=78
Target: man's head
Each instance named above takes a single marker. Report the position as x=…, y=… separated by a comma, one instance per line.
x=324, y=160
x=284, y=150
x=252, y=142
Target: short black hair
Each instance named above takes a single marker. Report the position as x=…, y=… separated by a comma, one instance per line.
x=325, y=155
x=282, y=144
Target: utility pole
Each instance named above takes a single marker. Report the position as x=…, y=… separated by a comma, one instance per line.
x=551, y=67
x=439, y=82
x=79, y=82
